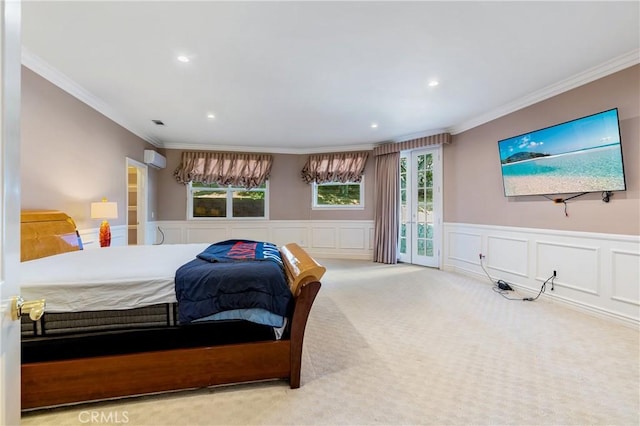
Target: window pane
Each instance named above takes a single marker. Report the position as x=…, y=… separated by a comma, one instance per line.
x=338, y=195
x=209, y=204
x=421, y=179
x=403, y=245
x=421, y=248
x=248, y=203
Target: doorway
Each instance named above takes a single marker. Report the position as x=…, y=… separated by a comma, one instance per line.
x=420, y=207
x=136, y=202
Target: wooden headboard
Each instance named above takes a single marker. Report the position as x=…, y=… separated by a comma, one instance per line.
x=45, y=233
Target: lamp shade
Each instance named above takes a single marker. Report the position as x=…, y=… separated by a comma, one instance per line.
x=104, y=210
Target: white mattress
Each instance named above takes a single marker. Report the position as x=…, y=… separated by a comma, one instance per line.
x=123, y=277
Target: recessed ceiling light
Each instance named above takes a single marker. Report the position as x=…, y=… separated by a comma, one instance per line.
x=211, y=116
x=433, y=83
x=374, y=125
x=183, y=58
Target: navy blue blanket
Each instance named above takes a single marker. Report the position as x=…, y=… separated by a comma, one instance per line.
x=233, y=274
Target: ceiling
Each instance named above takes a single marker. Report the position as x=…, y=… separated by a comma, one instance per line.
x=304, y=77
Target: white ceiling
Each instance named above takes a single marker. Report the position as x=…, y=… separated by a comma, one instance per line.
x=313, y=76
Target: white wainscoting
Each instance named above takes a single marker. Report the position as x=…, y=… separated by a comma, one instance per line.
x=598, y=273
x=91, y=237
x=344, y=239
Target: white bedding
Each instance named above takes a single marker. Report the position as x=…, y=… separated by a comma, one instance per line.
x=122, y=277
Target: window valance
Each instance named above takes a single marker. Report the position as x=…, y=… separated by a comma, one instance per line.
x=338, y=167
x=224, y=168
x=439, y=139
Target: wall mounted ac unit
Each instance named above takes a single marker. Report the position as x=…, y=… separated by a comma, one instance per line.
x=154, y=159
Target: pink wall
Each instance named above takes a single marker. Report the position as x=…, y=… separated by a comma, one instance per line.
x=473, y=191
x=71, y=155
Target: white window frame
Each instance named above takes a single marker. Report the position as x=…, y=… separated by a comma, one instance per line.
x=230, y=190
x=314, y=197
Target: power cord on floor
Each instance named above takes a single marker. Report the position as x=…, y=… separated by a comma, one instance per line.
x=502, y=287
x=161, y=241
x=542, y=289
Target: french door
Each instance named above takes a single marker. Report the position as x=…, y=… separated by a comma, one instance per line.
x=420, y=207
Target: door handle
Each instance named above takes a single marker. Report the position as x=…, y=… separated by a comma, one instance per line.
x=33, y=308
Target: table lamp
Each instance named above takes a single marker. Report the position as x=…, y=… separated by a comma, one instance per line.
x=104, y=210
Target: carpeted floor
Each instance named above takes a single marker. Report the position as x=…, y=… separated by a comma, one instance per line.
x=401, y=344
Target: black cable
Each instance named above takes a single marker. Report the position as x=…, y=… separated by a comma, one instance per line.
x=542, y=289
x=496, y=284
x=161, y=233
x=502, y=292
x=564, y=200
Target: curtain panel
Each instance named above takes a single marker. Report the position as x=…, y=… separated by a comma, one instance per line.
x=439, y=139
x=340, y=167
x=224, y=168
x=385, y=219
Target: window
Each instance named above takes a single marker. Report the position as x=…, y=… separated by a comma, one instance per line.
x=336, y=195
x=210, y=201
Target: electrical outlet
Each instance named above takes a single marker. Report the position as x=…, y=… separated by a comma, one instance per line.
x=554, y=273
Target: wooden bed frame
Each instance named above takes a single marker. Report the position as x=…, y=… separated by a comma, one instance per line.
x=89, y=379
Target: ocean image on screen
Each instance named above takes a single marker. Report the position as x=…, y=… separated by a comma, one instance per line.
x=583, y=155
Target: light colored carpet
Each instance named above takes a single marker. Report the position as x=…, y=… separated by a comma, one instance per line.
x=401, y=344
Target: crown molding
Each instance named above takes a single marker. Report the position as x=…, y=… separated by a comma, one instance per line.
x=270, y=150
x=614, y=65
x=42, y=68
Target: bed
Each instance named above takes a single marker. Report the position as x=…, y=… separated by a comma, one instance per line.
x=108, y=336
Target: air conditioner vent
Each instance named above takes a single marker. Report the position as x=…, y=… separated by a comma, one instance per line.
x=154, y=159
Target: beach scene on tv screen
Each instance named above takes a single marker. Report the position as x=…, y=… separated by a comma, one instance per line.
x=582, y=155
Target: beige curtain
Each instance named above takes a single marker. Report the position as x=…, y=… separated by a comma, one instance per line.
x=385, y=248
x=339, y=167
x=224, y=168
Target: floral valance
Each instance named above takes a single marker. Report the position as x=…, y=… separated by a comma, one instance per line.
x=338, y=167
x=224, y=168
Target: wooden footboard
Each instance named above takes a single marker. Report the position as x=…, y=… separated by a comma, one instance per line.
x=88, y=379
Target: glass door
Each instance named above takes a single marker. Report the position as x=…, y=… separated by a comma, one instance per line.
x=420, y=207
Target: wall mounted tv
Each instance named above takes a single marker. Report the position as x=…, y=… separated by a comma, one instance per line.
x=582, y=155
